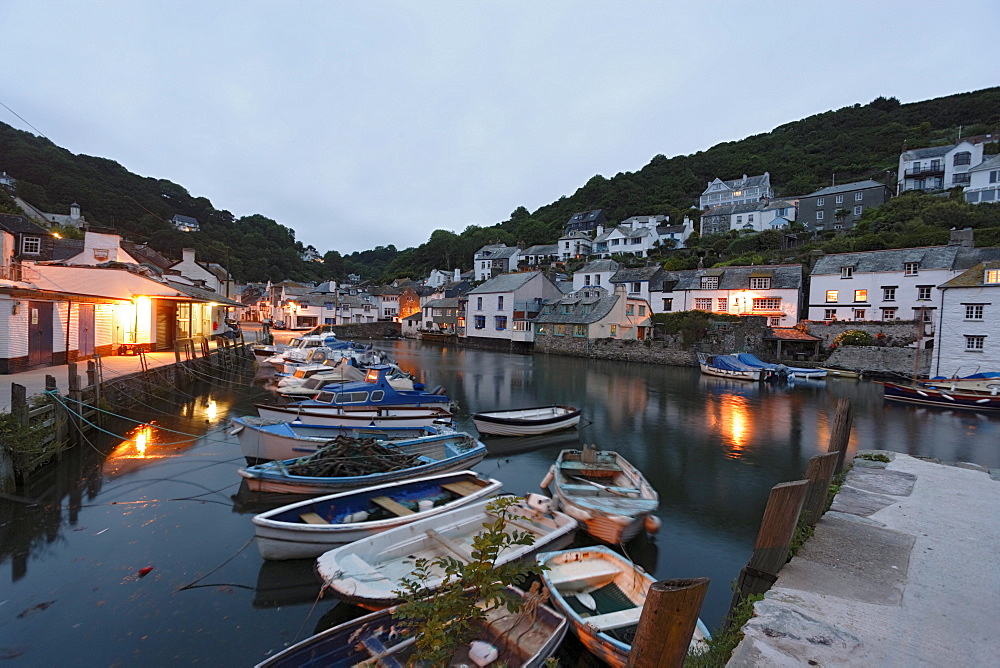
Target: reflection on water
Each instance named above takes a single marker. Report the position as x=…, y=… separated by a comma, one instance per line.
x=731, y=417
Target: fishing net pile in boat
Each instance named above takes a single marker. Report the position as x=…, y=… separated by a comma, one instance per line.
x=348, y=456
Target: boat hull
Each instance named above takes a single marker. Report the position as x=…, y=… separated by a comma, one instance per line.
x=523, y=641
x=926, y=396
x=347, y=417
x=615, y=514
x=263, y=440
x=527, y=421
x=284, y=533
x=585, y=570
x=367, y=572
x=449, y=454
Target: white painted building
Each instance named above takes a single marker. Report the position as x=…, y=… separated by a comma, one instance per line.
x=940, y=167
x=497, y=308
x=99, y=248
x=751, y=217
x=596, y=273
x=494, y=260
x=968, y=324
x=899, y=284
x=772, y=291
x=575, y=244
x=746, y=190
x=984, y=182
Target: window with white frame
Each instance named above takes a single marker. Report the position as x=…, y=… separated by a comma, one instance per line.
x=637, y=287
x=760, y=283
x=500, y=322
x=820, y=215
x=767, y=303
x=830, y=314
x=974, y=343
x=992, y=276
x=840, y=199
x=889, y=313
x=860, y=295
x=974, y=311
x=859, y=314
x=889, y=293
x=586, y=279
x=847, y=272
x=858, y=210
x=924, y=292
x=479, y=303
x=911, y=268
x=703, y=304
x=31, y=245
x=831, y=296
x=775, y=321
x=723, y=305
x=858, y=197
x=709, y=282
x=821, y=201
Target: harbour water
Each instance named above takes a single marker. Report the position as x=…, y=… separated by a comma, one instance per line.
x=75, y=545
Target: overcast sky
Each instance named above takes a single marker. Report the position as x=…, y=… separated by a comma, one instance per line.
x=360, y=124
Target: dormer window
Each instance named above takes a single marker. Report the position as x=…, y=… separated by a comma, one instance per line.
x=31, y=245
x=760, y=283
x=962, y=158
x=911, y=268
x=709, y=282
x=992, y=276
x=847, y=272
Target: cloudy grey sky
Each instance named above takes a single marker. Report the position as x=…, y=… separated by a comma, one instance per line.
x=360, y=124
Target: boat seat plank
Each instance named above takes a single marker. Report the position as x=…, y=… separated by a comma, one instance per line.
x=462, y=487
x=393, y=507
x=615, y=620
x=459, y=551
x=561, y=577
x=312, y=518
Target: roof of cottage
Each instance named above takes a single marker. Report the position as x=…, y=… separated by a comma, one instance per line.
x=789, y=334
x=19, y=224
x=446, y=302
x=632, y=274
x=505, y=282
x=992, y=163
x=930, y=152
x=929, y=257
x=759, y=181
x=595, y=266
x=497, y=252
x=847, y=187
x=577, y=309
x=783, y=277
x=542, y=249
x=974, y=277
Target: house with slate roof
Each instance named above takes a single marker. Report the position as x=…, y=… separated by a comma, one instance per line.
x=750, y=217
x=840, y=207
x=185, y=223
x=441, y=315
x=593, y=313
x=494, y=260
x=968, y=324
x=623, y=240
x=678, y=234
x=28, y=241
x=501, y=307
x=573, y=245
x=940, y=167
x=585, y=221
x=213, y=274
x=772, y=291
x=637, y=280
x=746, y=190
x=597, y=273
x=897, y=284
x=540, y=254
x=984, y=182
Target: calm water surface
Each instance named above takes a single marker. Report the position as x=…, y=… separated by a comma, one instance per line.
x=73, y=544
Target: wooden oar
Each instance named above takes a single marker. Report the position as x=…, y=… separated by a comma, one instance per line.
x=597, y=485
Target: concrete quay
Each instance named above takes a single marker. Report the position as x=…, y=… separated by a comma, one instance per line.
x=904, y=570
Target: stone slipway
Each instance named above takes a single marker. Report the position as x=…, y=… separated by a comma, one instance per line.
x=903, y=571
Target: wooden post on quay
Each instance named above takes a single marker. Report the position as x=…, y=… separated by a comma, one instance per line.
x=840, y=434
x=774, y=537
x=19, y=404
x=62, y=431
x=819, y=472
x=669, y=618
x=75, y=396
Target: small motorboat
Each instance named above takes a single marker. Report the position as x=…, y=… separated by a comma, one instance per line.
x=375, y=391
x=526, y=421
x=521, y=640
x=264, y=440
x=367, y=462
x=987, y=381
x=365, y=416
x=369, y=572
x=602, y=595
x=309, y=528
x=604, y=492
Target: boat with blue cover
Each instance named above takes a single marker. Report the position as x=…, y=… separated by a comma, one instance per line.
x=374, y=391
x=727, y=366
x=395, y=460
x=780, y=370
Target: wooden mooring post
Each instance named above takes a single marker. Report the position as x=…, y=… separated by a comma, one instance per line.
x=76, y=397
x=840, y=433
x=774, y=537
x=819, y=472
x=669, y=618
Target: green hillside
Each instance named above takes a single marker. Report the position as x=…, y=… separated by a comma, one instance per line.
x=857, y=142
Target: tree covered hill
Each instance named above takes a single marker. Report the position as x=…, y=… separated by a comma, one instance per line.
x=856, y=142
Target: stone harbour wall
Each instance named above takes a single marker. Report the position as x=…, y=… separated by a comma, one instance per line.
x=897, y=333
x=874, y=360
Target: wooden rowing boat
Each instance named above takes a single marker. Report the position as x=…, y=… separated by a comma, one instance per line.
x=527, y=421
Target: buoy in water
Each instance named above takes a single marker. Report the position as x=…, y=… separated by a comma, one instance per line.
x=652, y=524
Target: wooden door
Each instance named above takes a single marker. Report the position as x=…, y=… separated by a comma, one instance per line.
x=39, y=334
x=85, y=325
